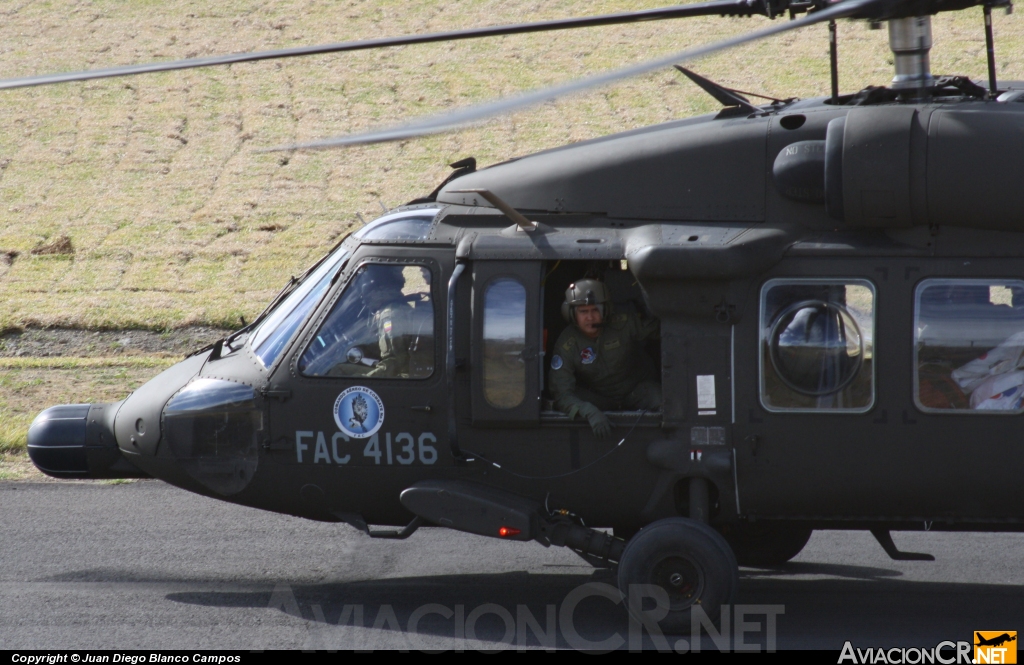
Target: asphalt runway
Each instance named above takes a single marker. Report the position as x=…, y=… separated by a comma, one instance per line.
x=147, y=566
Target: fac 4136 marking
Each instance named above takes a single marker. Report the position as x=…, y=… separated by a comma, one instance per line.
x=403, y=449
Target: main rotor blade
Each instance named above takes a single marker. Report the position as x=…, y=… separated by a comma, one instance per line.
x=715, y=7
x=447, y=121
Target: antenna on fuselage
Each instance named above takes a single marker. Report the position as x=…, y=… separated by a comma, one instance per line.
x=522, y=224
x=726, y=97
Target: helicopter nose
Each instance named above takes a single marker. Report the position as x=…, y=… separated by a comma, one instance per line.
x=56, y=440
x=212, y=428
x=138, y=426
x=77, y=441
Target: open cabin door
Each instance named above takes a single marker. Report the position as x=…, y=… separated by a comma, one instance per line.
x=506, y=352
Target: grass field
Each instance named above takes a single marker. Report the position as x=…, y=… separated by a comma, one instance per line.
x=29, y=385
x=143, y=202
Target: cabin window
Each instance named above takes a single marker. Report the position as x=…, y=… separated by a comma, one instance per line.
x=816, y=345
x=382, y=326
x=969, y=345
x=504, y=340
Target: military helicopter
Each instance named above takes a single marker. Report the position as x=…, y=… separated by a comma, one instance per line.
x=784, y=247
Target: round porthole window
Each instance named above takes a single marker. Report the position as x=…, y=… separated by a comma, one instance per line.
x=816, y=347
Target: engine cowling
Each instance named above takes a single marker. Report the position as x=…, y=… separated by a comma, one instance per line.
x=902, y=166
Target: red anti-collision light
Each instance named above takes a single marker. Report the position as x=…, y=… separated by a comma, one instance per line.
x=506, y=531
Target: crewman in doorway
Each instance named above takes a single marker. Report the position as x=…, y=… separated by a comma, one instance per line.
x=597, y=362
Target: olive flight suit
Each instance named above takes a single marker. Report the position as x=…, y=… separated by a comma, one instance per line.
x=394, y=325
x=607, y=372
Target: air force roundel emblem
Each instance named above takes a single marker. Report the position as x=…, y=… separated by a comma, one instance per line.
x=358, y=412
x=587, y=355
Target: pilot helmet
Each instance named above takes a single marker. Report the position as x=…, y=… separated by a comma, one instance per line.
x=586, y=292
x=382, y=282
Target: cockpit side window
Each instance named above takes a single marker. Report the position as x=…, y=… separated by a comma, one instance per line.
x=969, y=346
x=382, y=326
x=817, y=345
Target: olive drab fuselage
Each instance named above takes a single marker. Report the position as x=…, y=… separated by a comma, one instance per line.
x=804, y=357
x=836, y=284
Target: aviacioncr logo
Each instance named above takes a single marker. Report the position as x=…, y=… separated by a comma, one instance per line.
x=359, y=412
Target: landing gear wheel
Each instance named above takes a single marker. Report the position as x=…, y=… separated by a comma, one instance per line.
x=765, y=543
x=689, y=562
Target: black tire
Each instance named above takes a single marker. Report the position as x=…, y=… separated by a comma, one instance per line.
x=766, y=543
x=690, y=561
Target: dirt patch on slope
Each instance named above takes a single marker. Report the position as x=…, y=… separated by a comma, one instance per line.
x=47, y=342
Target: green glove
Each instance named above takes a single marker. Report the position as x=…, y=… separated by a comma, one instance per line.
x=598, y=421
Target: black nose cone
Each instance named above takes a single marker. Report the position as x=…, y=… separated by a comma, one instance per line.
x=56, y=441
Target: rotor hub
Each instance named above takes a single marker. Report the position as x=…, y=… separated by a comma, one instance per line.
x=911, y=41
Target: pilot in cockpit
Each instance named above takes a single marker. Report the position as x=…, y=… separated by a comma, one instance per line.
x=392, y=317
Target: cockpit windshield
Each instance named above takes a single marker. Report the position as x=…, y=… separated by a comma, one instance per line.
x=271, y=337
x=277, y=329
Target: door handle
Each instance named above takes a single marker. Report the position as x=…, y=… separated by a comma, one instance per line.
x=276, y=393
x=423, y=409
